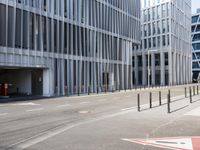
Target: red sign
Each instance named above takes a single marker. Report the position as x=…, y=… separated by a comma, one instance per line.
x=173, y=143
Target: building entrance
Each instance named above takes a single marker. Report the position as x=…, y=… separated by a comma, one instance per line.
x=21, y=81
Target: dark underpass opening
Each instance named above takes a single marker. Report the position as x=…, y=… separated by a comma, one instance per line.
x=21, y=82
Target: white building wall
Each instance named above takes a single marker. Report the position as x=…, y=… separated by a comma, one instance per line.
x=166, y=35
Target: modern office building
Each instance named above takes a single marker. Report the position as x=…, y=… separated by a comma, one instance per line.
x=196, y=45
x=166, y=42
x=60, y=47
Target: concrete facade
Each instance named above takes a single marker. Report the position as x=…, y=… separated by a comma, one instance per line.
x=196, y=44
x=166, y=37
x=80, y=45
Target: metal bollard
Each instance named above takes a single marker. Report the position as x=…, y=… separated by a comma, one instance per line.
x=190, y=95
x=97, y=89
x=168, y=103
x=150, y=99
x=160, y=101
x=197, y=90
x=169, y=92
x=88, y=90
x=185, y=92
x=194, y=90
x=66, y=91
x=138, y=99
x=78, y=92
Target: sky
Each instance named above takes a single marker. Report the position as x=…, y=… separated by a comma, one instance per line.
x=195, y=5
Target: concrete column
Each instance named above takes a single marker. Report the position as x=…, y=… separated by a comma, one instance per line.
x=190, y=62
x=144, y=70
x=181, y=69
x=153, y=68
x=48, y=81
x=170, y=68
x=162, y=68
x=136, y=69
x=178, y=69
x=62, y=78
x=174, y=68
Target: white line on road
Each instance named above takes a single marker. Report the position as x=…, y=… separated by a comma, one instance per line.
x=101, y=100
x=128, y=108
x=61, y=106
x=25, y=104
x=3, y=114
x=128, y=96
x=38, y=109
x=84, y=102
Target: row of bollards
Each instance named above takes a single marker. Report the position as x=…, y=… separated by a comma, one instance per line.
x=150, y=100
x=192, y=91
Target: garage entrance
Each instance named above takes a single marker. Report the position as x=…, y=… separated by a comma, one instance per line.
x=22, y=82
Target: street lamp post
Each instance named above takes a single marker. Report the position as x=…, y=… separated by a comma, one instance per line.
x=149, y=70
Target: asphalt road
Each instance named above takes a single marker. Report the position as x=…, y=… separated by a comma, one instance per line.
x=96, y=122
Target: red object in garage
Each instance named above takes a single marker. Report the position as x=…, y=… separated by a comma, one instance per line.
x=1, y=89
x=5, y=89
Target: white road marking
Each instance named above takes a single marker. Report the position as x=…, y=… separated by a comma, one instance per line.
x=25, y=104
x=83, y=112
x=128, y=96
x=3, y=114
x=84, y=102
x=38, y=109
x=128, y=108
x=61, y=106
x=194, y=112
x=101, y=100
x=170, y=143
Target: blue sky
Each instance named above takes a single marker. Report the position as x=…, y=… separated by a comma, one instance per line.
x=195, y=5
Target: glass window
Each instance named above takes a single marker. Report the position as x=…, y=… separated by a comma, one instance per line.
x=3, y=25
x=167, y=25
x=158, y=27
x=149, y=42
x=145, y=30
x=149, y=29
x=158, y=12
x=194, y=19
x=196, y=37
x=18, y=29
x=163, y=11
x=145, y=43
x=163, y=26
x=149, y=15
x=158, y=41
x=196, y=46
x=163, y=40
x=154, y=28
x=154, y=42
x=154, y=13
x=168, y=40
